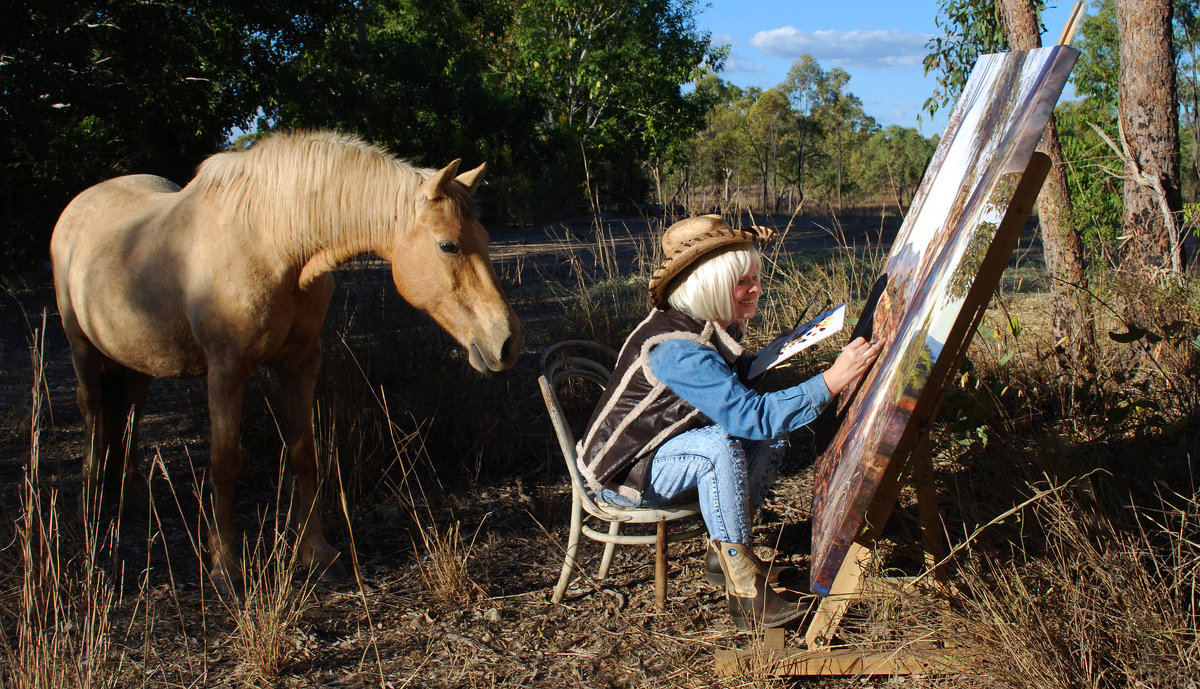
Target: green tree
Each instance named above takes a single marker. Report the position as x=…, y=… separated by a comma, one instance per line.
x=92, y=90
x=845, y=129
x=601, y=71
x=896, y=161
x=411, y=75
x=1093, y=169
x=1187, y=46
x=715, y=153
x=767, y=121
x=803, y=87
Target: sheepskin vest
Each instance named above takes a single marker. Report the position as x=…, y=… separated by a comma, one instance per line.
x=637, y=413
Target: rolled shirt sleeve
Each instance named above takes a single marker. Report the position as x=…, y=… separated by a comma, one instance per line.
x=700, y=376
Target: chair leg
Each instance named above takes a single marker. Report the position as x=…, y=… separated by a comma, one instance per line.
x=660, y=568
x=569, y=562
x=614, y=528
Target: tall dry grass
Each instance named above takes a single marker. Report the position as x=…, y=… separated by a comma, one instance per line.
x=1092, y=583
x=1094, y=603
x=61, y=623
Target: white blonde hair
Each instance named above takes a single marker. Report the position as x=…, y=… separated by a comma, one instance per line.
x=705, y=290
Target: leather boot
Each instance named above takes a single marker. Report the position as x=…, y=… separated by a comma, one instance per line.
x=751, y=601
x=779, y=576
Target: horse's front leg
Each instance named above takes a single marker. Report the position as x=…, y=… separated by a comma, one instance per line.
x=226, y=387
x=297, y=384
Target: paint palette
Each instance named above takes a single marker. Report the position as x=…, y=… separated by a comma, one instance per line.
x=791, y=343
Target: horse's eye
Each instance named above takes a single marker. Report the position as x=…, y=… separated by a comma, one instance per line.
x=448, y=246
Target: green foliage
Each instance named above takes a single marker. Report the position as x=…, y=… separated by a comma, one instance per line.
x=95, y=90
x=1187, y=46
x=971, y=28
x=1093, y=171
x=418, y=78
x=802, y=141
x=606, y=78
x=1096, y=72
x=896, y=158
x=1093, y=168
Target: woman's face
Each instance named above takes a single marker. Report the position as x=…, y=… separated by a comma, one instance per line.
x=745, y=295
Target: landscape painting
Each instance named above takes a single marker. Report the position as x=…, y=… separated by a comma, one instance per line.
x=967, y=189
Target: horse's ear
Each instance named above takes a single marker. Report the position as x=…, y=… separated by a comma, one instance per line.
x=435, y=186
x=471, y=178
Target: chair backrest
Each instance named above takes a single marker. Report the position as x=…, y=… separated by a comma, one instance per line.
x=563, y=363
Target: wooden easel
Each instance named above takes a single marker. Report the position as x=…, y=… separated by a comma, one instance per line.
x=912, y=462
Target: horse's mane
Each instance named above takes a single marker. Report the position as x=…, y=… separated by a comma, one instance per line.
x=304, y=190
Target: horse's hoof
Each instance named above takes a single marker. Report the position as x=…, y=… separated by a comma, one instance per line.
x=227, y=584
x=137, y=496
x=334, y=572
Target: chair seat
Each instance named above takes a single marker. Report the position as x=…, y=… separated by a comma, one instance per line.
x=641, y=515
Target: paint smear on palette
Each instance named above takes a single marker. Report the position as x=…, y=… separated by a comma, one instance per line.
x=931, y=269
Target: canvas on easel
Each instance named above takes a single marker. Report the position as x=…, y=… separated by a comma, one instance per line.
x=958, y=236
x=932, y=272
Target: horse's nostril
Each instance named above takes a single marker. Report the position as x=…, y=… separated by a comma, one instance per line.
x=512, y=347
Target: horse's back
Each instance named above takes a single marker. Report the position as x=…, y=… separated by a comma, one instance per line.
x=108, y=207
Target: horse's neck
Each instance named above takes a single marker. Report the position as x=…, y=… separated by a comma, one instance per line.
x=354, y=220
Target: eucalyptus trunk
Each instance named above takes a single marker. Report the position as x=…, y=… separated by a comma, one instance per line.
x=1063, y=251
x=1148, y=112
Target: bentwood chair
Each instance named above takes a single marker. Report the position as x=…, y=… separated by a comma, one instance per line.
x=578, y=370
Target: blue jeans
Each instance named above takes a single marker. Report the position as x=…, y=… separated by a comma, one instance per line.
x=730, y=476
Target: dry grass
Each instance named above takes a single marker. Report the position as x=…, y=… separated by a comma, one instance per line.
x=444, y=565
x=275, y=592
x=1092, y=605
x=62, y=611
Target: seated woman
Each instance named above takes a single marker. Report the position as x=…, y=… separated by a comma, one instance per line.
x=678, y=416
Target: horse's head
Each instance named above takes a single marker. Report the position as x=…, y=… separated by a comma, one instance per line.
x=441, y=266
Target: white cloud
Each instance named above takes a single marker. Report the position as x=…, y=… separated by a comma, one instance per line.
x=738, y=65
x=723, y=39
x=882, y=50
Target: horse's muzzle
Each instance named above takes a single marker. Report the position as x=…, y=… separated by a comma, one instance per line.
x=486, y=361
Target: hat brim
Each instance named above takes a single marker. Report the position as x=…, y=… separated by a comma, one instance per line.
x=679, y=260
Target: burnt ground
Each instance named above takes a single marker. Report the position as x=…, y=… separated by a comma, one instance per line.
x=485, y=466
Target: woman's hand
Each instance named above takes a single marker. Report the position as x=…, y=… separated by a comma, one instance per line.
x=854, y=361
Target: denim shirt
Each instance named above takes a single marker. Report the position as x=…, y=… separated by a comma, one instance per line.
x=700, y=376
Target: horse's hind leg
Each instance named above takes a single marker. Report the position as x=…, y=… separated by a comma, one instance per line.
x=124, y=393
x=297, y=385
x=111, y=398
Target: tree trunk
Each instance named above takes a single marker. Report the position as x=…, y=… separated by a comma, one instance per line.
x=1148, y=111
x=1069, y=311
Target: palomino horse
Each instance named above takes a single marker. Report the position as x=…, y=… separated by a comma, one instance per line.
x=233, y=272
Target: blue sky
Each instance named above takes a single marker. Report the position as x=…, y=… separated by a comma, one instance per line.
x=881, y=43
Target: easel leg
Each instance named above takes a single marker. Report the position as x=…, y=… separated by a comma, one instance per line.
x=932, y=535
x=845, y=589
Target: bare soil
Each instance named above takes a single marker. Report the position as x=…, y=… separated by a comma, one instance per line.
x=384, y=627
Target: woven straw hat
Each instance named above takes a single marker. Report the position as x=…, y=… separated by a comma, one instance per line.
x=690, y=239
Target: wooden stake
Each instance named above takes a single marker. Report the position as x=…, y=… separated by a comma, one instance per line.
x=1068, y=32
